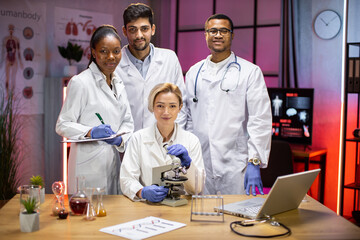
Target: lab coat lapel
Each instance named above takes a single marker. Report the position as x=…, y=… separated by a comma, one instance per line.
x=101, y=81
x=106, y=88
x=99, y=78
x=150, y=141
x=205, y=75
x=154, y=66
x=154, y=150
x=129, y=67
x=119, y=86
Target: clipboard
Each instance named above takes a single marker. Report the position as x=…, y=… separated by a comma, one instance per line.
x=93, y=139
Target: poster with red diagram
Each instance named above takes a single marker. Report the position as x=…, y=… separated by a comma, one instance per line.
x=76, y=26
x=23, y=54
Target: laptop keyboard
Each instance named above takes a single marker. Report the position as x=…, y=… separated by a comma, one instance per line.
x=253, y=210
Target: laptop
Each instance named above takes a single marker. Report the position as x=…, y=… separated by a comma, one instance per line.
x=286, y=194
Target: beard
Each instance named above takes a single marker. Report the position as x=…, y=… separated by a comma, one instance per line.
x=218, y=50
x=141, y=47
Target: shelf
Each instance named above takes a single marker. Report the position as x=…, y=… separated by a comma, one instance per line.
x=352, y=186
x=353, y=139
x=350, y=87
x=354, y=43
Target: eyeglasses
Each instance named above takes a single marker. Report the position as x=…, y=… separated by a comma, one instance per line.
x=214, y=31
x=143, y=29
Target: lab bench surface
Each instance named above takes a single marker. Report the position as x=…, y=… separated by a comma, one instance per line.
x=311, y=220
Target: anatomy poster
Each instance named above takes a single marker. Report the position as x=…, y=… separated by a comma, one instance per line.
x=77, y=27
x=22, y=59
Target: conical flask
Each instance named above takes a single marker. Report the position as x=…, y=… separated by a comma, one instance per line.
x=100, y=209
x=89, y=213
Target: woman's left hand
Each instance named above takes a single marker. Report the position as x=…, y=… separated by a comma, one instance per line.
x=114, y=141
x=181, y=152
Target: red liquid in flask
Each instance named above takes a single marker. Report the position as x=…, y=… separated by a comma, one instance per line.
x=78, y=205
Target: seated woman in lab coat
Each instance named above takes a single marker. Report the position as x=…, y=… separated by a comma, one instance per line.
x=96, y=106
x=146, y=148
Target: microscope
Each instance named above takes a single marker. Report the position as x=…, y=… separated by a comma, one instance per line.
x=169, y=177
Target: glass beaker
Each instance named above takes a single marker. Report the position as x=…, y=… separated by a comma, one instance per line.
x=79, y=200
x=100, y=209
x=89, y=213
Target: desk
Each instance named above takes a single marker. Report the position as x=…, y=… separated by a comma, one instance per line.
x=311, y=221
x=307, y=156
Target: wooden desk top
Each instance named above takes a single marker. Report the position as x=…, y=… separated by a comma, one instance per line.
x=308, y=153
x=311, y=221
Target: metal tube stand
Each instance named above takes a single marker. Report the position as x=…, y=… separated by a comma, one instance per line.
x=204, y=215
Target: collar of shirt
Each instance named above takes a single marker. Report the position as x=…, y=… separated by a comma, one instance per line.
x=215, y=68
x=93, y=67
x=159, y=138
x=142, y=66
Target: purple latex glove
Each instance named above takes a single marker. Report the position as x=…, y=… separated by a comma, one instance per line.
x=253, y=179
x=181, y=152
x=154, y=193
x=115, y=141
x=101, y=131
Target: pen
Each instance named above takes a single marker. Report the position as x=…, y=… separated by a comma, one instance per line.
x=100, y=118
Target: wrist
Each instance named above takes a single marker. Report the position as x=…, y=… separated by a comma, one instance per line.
x=139, y=194
x=255, y=161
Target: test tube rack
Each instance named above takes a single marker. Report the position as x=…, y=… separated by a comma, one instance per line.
x=199, y=214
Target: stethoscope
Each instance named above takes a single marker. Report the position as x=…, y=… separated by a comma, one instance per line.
x=195, y=99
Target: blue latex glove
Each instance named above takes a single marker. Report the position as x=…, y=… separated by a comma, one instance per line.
x=181, y=152
x=154, y=193
x=252, y=179
x=101, y=131
x=115, y=141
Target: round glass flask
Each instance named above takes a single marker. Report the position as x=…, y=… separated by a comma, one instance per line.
x=79, y=200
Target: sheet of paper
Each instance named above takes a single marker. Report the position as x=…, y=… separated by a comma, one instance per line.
x=143, y=228
x=93, y=139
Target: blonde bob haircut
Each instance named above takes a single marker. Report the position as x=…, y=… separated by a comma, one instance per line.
x=163, y=88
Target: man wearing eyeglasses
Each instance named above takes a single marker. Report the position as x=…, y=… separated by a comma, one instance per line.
x=143, y=66
x=229, y=110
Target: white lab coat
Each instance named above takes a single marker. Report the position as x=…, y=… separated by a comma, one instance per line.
x=164, y=67
x=87, y=94
x=232, y=126
x=143, y=153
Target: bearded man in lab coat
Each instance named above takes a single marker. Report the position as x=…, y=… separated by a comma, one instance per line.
x=229, y=111
x=143, y=66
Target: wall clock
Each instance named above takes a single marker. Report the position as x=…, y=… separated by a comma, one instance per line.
x=327, y=24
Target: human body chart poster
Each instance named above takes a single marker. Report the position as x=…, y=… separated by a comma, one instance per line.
x=23, y=49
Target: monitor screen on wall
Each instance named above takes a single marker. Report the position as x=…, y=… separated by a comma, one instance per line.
x=292, y=114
